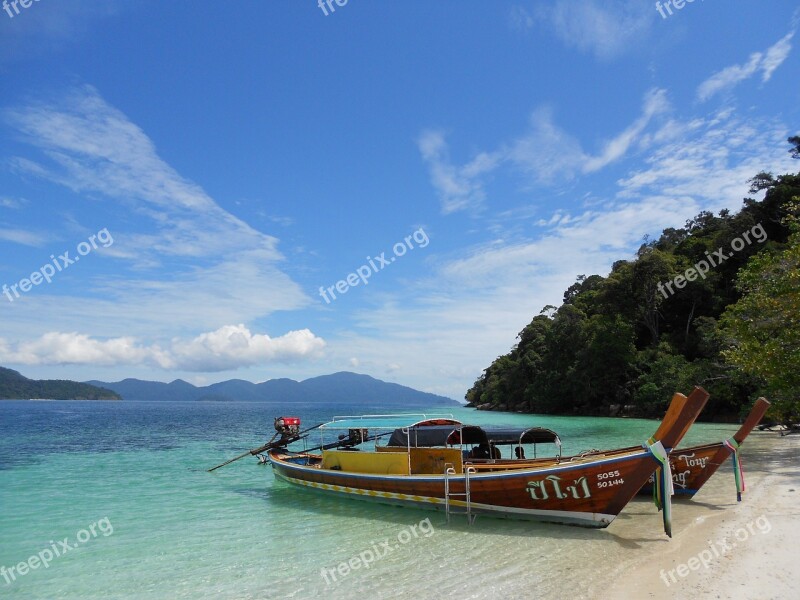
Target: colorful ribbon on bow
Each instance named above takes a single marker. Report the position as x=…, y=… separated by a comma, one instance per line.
x=738, y=474
x=656, y=479
x=662, y=485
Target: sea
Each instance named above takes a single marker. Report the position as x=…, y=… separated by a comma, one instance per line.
x=116, y=499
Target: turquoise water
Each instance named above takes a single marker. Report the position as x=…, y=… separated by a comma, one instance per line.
x=165, y=528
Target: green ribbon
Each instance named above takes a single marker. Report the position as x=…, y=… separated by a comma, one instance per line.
x=656, y=479
x=738, y=474
x=662, y=488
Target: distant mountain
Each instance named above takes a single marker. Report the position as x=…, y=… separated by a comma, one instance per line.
x=14, y=386
x=136, y=389
x=337, y=388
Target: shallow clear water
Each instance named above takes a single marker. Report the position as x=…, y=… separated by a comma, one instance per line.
x=168, y=529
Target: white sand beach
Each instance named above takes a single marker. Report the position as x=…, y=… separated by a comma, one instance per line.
x=724, y=549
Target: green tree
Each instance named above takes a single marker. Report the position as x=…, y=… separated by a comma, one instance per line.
x=795, y=142
x=604, y=363
x=763, y=327
x=636, y=289
x=662, y=374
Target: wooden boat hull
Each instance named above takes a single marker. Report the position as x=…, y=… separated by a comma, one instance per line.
x=693, y=466
x=588, y=490
x=589, y=494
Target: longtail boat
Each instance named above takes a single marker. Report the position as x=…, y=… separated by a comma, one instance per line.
x=691, y=467
x=589, y=489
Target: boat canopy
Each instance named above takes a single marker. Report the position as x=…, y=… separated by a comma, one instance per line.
x=437, y=435
x=533, y=435
x=451, y=435
x=390, y=422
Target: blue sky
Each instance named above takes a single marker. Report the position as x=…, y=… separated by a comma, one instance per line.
x=231, y=159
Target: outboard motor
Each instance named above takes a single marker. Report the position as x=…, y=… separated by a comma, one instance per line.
x=356, y=436
x=287, y=426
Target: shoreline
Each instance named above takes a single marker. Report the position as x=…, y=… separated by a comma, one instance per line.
x=723, y=548
x=61, y=399
x=717, y=420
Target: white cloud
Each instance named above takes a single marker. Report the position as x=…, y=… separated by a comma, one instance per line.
x=231, y=347
x=775, y=56
x=6, y=202
x=73, y=348
x=459, y=187
x=228, y=348
x=546, y=153
x=765, y=62
x=21, y=236
x=606, y=28
x=655, y=103
x=711, y=161
x=93, y=148
x=219, y=269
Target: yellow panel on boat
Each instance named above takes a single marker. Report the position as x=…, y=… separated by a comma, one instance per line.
x=433, y=460
x=382, y=463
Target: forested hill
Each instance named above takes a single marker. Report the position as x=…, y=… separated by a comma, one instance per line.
x=14, y=386
x=623, y=344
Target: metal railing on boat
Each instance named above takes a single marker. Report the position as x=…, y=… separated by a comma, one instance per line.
x=449, y=471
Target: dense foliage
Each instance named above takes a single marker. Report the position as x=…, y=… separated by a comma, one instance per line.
x=624, y=343
x=14, y=386
x=763, y=327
